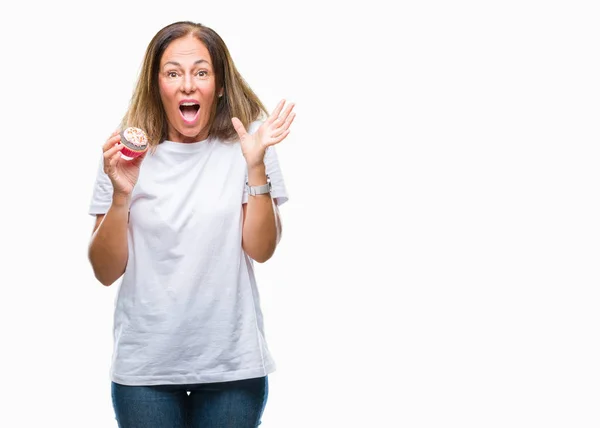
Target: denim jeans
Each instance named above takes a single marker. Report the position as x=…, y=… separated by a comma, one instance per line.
x=237, y=404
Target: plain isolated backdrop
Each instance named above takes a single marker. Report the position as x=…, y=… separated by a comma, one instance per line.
x=439, y=261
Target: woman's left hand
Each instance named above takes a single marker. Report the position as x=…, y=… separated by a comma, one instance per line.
x=271, y=132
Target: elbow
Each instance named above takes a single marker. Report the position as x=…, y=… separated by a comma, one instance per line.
x=262, y=258
x=102, y=275
x=260, y=255
x=260, y=248
x=107, y=282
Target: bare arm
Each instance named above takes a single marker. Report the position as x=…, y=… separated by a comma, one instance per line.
x=262, y=227
x=108, y=249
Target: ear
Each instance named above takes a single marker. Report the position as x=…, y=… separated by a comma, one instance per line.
x=221, y=92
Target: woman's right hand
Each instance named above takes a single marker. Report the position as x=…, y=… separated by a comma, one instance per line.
x=122, y=173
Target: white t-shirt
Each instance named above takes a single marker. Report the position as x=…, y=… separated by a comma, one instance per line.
x=188, y=309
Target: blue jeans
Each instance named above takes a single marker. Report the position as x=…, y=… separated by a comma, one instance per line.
x=237, y=404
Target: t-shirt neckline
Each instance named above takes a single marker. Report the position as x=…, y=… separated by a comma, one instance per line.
x=185, y=147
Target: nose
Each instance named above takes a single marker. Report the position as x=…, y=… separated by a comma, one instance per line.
x=188, y=84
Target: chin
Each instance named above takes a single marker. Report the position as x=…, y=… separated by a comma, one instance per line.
x=191, y=133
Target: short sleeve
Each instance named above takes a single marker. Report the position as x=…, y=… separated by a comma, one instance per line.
x=278, y=190
x=102, y=192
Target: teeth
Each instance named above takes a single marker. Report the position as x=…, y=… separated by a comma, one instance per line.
x=188, y=104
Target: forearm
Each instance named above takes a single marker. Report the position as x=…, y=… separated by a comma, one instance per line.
x=108, y=250
x=259, y=235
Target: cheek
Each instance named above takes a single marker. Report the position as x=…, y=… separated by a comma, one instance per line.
x=166, y=91
x=208, y=90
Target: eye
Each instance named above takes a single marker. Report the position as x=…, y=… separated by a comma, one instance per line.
x=172, y=74
x=202, y=73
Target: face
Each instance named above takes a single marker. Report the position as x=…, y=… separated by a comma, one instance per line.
x=187, y=89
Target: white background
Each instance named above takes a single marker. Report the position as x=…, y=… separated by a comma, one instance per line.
x=439, y=263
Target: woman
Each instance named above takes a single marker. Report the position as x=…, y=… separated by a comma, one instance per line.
x=182, y=223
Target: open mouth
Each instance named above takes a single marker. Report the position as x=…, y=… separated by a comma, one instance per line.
x=189, y=110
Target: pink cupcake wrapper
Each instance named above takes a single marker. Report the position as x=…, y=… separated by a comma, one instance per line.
x=131, y=153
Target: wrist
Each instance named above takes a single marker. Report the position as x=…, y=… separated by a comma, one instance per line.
x=257, y=175
x=121, y=199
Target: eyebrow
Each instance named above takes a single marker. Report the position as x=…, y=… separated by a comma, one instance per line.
x=175, y=63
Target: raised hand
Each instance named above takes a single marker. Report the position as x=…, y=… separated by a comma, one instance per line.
x=122, y=173
x=271, y=132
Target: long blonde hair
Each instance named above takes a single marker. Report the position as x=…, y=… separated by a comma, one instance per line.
x=146, y=110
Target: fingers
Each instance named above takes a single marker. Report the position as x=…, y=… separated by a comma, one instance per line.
x=281, y=126
x=285, y=116
x=114, y=138
x=239, y=128
x=111, y=157
x=287, y=112
x=274, y=140
x=289, y=120
x=275, y=115
x=284, y=126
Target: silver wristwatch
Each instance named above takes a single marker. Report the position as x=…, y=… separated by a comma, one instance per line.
x=259, y=190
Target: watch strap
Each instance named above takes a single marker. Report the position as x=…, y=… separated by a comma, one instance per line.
x=259, y=190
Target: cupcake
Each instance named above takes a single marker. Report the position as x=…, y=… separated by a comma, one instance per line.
x=135, y=142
